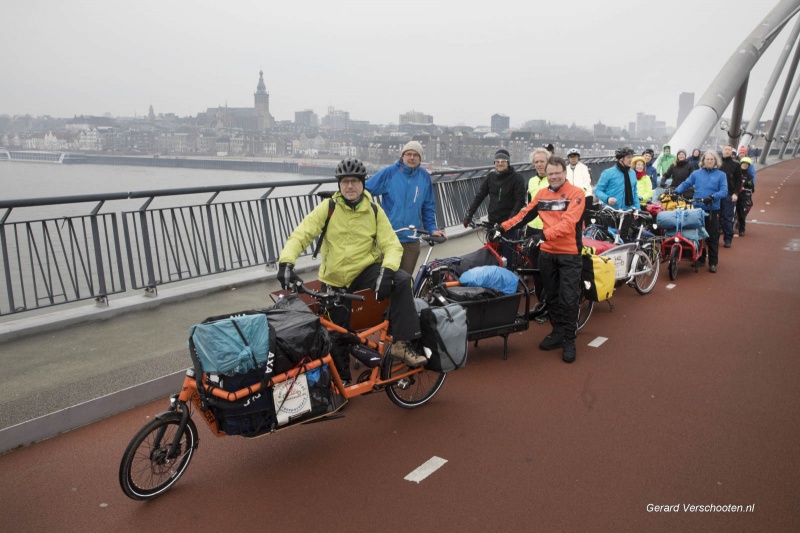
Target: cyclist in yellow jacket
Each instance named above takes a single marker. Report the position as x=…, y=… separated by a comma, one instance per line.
x=360, y=250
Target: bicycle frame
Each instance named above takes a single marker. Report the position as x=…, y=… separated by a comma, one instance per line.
x=623, y=254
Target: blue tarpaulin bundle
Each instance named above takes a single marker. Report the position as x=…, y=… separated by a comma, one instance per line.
x=492, y=277
x=234, y=345
x=681, y=219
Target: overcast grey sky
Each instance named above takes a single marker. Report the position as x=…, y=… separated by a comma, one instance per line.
x=460, y=61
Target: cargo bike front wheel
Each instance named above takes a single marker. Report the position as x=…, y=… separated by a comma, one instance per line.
x=157, y=457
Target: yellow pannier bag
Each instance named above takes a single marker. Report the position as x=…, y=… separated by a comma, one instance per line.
x=598, y=277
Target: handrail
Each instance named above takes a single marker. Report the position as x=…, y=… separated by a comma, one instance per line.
x=61, y=259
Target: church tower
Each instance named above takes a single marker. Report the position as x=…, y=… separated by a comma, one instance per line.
x=261, y=96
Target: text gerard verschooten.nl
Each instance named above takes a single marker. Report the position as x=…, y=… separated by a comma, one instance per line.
x=702, y=508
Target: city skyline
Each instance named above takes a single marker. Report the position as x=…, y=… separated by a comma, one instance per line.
x=372, y=61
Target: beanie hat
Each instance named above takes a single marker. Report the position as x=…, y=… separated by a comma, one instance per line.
x=413, y=146
x=502, y=154
x=637, y=159
x=681, y=150
x=746, y=160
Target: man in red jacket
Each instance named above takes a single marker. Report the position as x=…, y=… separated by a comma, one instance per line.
x=560, y=207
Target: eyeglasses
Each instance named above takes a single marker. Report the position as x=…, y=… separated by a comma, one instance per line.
x=557, y=173
x=350, y=182
x=500, y=161
x=411, y=154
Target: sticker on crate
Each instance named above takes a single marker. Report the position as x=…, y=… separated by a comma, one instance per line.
x=291, y=399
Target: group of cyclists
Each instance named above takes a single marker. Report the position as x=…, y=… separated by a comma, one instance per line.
x=361, y=249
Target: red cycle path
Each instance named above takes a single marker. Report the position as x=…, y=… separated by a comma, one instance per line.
x=692, y=400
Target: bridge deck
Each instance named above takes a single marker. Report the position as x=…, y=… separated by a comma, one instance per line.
x=690, y=400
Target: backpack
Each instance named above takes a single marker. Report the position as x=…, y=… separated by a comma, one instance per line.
x=598, y=277
x=331, y=209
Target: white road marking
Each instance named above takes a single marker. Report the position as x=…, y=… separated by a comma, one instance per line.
x=597, y=342
x=426, y=469
x=671, y=286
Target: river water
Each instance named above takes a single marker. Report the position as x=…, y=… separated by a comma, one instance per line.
x=42, y=180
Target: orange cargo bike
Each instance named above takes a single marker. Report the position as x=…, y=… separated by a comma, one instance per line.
x=161, y=451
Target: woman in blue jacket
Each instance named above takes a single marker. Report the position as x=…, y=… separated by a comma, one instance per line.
x=710, y=187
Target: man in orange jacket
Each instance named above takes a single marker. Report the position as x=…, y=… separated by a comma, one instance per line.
x=560, y=207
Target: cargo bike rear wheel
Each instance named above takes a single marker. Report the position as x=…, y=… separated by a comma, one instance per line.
x=410, y=391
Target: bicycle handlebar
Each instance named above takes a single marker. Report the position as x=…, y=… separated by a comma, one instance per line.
x=620, y=212
x=423, y=235
x=329, y=295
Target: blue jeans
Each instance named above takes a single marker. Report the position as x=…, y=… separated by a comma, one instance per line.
x=728, y=209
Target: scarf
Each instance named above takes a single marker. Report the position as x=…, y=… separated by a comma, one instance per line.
x=640, y=175
x=627, y=182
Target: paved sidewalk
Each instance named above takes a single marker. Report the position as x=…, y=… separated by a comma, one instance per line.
x=61, y=359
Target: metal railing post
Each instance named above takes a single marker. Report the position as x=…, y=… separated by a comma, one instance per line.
x=6, y=266
x=148, y=253
x=98, y=254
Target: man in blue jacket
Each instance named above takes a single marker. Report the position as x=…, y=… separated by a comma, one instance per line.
x=711, y=185
x=407, y=199
x=617, y=185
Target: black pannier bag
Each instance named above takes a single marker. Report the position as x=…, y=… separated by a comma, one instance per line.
x=299, y=333
x=444, y=334
x=251, y=416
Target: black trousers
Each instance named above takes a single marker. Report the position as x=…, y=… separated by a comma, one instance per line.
x=742, y=208
x=402, y=313
x=712, y=243
x=561, y=278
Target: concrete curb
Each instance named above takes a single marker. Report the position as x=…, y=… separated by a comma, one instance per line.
x=70, y=418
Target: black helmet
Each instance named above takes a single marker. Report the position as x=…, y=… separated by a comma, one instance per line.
x=574, y=151
x=622, y=152
x=350, y=167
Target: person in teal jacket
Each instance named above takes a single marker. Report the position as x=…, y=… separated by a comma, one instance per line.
x=710, y=187
x=407, y=198
x=612, y=189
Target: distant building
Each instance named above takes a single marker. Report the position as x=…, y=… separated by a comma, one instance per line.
x=500, y=123
x=685, y=106
x=336, y=119
x=306, y=119
x=257, y=118
x=415, y=117
x=645, y=125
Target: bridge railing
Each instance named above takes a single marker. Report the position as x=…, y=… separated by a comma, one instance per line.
x=49, y=261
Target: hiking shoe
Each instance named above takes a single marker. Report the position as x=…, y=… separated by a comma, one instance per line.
x=727, y=244
x=552, y=341
x=402, y=350
x=712, y=269
x=741, y=233
x=569, y=352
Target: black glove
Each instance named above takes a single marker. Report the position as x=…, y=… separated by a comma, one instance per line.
x=383, y=287
x=707, y=200
x=495, y=232
x=466, y=221
x=293, y=278
x=674, y=197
